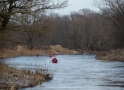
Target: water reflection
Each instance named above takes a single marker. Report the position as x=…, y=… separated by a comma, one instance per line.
x=75, y=72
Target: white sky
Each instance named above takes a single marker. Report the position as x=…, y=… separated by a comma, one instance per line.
x=76, y=5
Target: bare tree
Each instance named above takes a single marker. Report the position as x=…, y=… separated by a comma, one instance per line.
x=113, y=10
x=75, y=29
x=11, y=7
x=34, y=27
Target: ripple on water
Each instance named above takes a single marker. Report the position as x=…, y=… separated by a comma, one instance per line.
x=75, y=72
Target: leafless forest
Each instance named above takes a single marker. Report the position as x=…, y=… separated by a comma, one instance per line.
x=28, y=23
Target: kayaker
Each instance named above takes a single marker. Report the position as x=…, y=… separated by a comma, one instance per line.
x=54, y=60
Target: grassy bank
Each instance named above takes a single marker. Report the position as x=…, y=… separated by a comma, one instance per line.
x=24, y=51
x=12, y=79
x=116, y=55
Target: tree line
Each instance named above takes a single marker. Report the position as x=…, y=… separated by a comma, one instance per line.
x=81, y=30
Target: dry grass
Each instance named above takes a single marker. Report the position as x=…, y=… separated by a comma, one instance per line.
x=24, y=51
x=11, y=77
x=117, y=54
x=58, y=49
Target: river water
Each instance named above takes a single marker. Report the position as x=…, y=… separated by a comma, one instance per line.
x=74, y=72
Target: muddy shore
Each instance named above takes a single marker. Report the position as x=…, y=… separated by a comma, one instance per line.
x=13, y=79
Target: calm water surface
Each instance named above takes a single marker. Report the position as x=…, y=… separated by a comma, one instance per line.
x=75, y=72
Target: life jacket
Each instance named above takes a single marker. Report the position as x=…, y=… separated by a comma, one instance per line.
x=50, y=55
x=38, y=55
x=54, y=54
x=54, y=60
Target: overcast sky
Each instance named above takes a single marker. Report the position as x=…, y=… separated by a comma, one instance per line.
x=76, y=5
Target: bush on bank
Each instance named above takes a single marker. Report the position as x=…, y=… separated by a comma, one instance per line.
x=24, y=51
x=12, y=79
x=117, y=54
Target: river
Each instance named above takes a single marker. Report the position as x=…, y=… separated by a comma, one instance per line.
x=74, y=72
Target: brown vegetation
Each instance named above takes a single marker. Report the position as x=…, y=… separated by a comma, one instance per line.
x=117, y=54
x=23, y=51
x=11, y=78
x=14, y=78
x=58, y=49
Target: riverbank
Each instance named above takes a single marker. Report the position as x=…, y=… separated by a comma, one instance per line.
x=12, y=79
x=24, y=51
x=114, y=55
